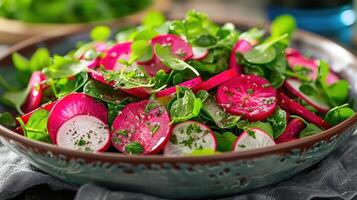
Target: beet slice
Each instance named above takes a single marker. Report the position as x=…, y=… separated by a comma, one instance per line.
x=294, y=127
x=295, y=108
x=218, y=79
x=118, y=51
x=293, y=86
x=34, y=97
x=145, y=123
x=189, y=136
x=295, y=58
x=252, y=139
x=179, y=47
x=250, y=96
x=241, y=46
x=192, y=84
x=79, y=122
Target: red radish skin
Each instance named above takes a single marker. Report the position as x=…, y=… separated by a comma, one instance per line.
x=118, y=51
x=192, y=84
x=199, y=53
x=241, y=46
x=218, y=79
x=202, y=139
x=252, y=139
x=295, y=58
x=178, y=46
x=34, y=98
x=292, y=85
x=138, y=92
x=250, y=96
x=151, y=129
x=294, y=127
x=70, y=106
x=295, y=108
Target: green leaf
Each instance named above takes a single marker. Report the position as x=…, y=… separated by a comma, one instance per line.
x=283, y=24
x=202, y=152
x=134, y=148
x=339, y=91
x=265, y=126
x=145, y=34
x=66, y=86
x=40, y=59
x=321, y=82
x=202, y=94
x=185, y=107
x=310, y=129
x=225, y=141
x=140, y=51
x=278, y=122
x=222, y=119
x=164, y=54
x=20, y=63
x=36, y=127
x=100, y=33
x=257, y=56
x=252, y=34
x=338, y=114
x=130, y=79
x=64, y=67
x=206, y=40
x=153, y=19
x=6, y=119
x=16, y=98
x=113, y=110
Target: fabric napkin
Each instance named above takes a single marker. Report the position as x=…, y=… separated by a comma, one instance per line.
x=333, y=178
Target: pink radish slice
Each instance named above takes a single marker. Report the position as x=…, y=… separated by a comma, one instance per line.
x=241, y=46
x=253, y=139
x=34, y=98
x=293, y=86
x=294, y=127
x=295, y=58
x=117, y=52
x=250, y=96
x=145, y=122
x=295, y=108
x=138, y=92
x=189, y=136
x=199, y=53
x=192, y=84
x=79, y=122
x=218, y=79
x=178, y=46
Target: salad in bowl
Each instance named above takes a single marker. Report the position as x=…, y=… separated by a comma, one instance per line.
x=176, y=88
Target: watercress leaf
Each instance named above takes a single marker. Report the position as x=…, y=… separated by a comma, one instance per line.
x=164, y=54
x=338, y=114
x=16, y=98
x=339, y=91
x=40, y=59
x=202, y=94
x=257, y=56
x=64, y=67
x=6, y=119
x=36, y=127
x=153, y=19
x=145, y=34
x=264, y=126
x=68, y=86
x=100, y=33
x=20, y=62
x=321, y=82
x=225, y=141
x=222, y=119
x=206, y=40
x=252, y=34
x=278, y=122
x=283, y=24
x=140, y=51
x=310, y=129
x=129, y=80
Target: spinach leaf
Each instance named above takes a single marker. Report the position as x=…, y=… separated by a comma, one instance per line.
x=225, y=141
x=185, y=107
x=310, y=129
x=64, y=67
x=6, y=119
x=278, y=122
x=36, y=127
x=338, y=114
x=165, y=55
x=66, y=86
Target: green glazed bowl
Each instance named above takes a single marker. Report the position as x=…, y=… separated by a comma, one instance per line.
x=187, y=177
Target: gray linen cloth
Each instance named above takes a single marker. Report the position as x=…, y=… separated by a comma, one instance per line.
x=333, y=178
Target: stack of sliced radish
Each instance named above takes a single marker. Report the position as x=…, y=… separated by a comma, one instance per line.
x=189, y=136
x=250, y=96
x=252, y=139
x=79, y=122
x=34, y=97
x=241, y=46
x=146, y=123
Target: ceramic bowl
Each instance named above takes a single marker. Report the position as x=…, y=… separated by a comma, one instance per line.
x=187, y=177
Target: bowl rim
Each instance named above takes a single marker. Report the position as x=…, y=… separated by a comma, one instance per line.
x=283, y=148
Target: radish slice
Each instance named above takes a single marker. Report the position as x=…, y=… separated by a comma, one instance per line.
x=146, y=123
x=199, y=53
x=138, y=92
x=34, y=98
x=119, y=51
x=79, y=122
x=294, y=127
x=251, y=96
x=48, y=106
x=293, y=86
x=218, y=79
x=178, y=46
x=295, y=58
x=189, y=136
x=295, y=108
x=192, y=84
x=253, y=139
x=241, y=46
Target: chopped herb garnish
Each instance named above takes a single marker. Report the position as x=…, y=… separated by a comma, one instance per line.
x=123, y=132
x=242, y=146
x=250, y=91
x=251, y=133
x=134, y=148
x=116, y=140
x=154, y=128
x=150, y=106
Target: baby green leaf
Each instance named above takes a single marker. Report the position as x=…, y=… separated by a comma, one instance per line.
x=100, y=33
x=36, y=127
x=310, y=129
x=338, y=114
x=185, y=107
x=6, y=119
x=64, y=67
